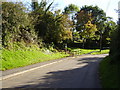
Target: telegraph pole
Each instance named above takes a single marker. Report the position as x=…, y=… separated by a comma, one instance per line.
x=119, y=12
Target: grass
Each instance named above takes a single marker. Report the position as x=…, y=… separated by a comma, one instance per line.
x=78, y=51
x=102, y=52
x=19, y=58
x=109, y=74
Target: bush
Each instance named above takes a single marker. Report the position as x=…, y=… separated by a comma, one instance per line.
x=16, y=26
x=115, y=46
x=109, y=74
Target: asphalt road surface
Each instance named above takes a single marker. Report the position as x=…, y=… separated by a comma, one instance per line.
x=76, y=72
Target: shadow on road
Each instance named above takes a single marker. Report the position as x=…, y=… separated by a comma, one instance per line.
x=90, y=60
x=84, y=75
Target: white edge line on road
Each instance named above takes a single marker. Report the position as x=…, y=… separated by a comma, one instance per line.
x=14, y=74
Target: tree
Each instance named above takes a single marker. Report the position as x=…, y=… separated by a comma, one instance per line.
x=92, y=15
x=71, y=8
x=16, y=27
x=115, y=46
x=34, y=5
x=88, y=32
x=105, y=27
x=40, y=18
x=51, y=27
x=95, y=11
x=60, y=29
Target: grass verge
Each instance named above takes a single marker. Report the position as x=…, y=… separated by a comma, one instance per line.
x=109, y=74
x=19, y=58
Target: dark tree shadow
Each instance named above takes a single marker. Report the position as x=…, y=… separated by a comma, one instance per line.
x=85, y=76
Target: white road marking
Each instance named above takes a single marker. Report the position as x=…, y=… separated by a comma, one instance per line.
x=18, y=73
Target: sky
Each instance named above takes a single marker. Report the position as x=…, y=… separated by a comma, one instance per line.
x=109, y=6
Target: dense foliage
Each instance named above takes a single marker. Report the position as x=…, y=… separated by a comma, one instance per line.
x=94, y=27
x=110, y=66
x=43, y=27
x=17, y=29
x=87, y=27
x=115, y=46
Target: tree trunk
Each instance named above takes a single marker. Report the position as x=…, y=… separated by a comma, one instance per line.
x=83, y=44
x=100, y=41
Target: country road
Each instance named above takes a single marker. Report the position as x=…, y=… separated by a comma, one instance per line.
x=76, y=72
